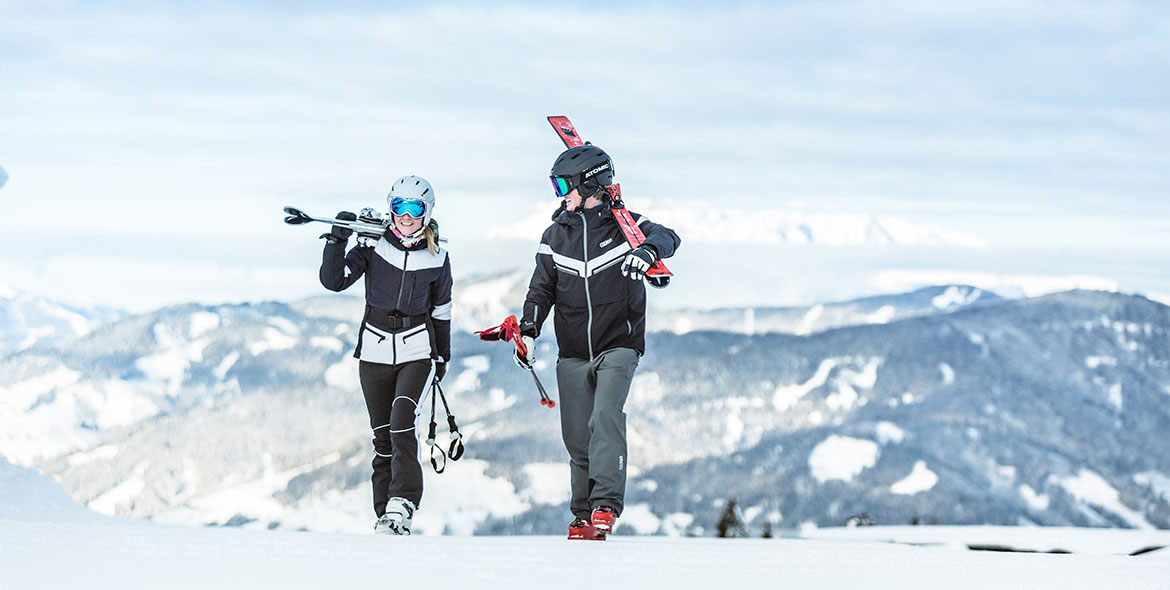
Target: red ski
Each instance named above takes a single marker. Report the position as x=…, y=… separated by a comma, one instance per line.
x=658, y=275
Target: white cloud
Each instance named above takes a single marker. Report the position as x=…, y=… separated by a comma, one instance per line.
x=1005, y=120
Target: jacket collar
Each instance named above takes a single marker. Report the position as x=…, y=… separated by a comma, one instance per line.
x=397, y=243
x=597, y=215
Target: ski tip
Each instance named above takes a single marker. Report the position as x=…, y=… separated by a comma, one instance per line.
x=562, y=125
x=296, y=216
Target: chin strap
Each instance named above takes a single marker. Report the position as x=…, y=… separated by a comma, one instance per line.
x=604, y=200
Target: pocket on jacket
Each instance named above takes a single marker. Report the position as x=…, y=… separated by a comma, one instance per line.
x=410, y=291
x=390, y=348
x=377, y=345
x=413, y=344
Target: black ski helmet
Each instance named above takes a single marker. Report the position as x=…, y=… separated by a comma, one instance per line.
x=588, y=168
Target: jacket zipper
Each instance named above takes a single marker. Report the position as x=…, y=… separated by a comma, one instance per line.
x=588, y=299
x=398, y=305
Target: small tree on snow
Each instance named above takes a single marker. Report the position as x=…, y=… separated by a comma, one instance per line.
x=731, y=522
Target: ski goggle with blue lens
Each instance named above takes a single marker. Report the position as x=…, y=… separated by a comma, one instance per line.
x=411, y=207
x=563, y=185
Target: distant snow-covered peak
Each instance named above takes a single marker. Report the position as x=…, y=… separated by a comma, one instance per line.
x=1008, y=285
x=703, y=223
x=27, y=319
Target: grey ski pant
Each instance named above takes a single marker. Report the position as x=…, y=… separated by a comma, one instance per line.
x=593, y=425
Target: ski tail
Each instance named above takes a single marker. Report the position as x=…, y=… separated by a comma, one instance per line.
x=658, y=275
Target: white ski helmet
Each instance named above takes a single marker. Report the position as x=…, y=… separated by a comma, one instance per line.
x=413, y=188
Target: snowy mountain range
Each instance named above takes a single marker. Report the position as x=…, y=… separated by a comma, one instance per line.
x=27, y=320
x=879, y=309
x=945, y=405
x=708, y=223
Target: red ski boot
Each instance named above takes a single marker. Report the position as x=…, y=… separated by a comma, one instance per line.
x=582, y=530
x=603, y=519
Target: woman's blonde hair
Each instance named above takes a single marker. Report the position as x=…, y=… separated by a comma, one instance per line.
x=432, y=235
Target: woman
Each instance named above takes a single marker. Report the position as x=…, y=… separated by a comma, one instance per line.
x=405, y=338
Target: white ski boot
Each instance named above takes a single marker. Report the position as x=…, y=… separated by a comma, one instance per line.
x=396, y=519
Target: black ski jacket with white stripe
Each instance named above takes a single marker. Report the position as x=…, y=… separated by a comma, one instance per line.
x=578, y=272
x=400, y=282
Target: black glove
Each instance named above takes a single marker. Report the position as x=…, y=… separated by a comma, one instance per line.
x=340, y=234
x=440, y=370
x=638, y=261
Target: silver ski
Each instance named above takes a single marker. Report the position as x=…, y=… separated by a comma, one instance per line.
x=298, y=217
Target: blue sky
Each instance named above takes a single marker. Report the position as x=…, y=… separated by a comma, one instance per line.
x=1026, y=124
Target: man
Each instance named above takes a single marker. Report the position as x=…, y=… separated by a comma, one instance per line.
x=590, y=274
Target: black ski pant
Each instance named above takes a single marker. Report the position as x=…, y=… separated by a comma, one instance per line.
x=394, y=396
x=593, y=426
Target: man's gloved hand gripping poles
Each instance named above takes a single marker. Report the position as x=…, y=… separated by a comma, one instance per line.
x=509, y=331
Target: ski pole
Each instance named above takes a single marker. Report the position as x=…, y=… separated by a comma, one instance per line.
x=457, y=448
x=509, y=331
x=545, y=400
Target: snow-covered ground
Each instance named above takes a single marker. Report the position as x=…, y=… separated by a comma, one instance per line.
x=69, y=555
x=49, y=541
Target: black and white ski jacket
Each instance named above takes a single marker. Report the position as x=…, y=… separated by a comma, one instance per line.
x=578, y=272
x=408, y=298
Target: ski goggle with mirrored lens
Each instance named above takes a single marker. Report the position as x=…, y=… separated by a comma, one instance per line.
x=411, y=207
x=563, y=185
